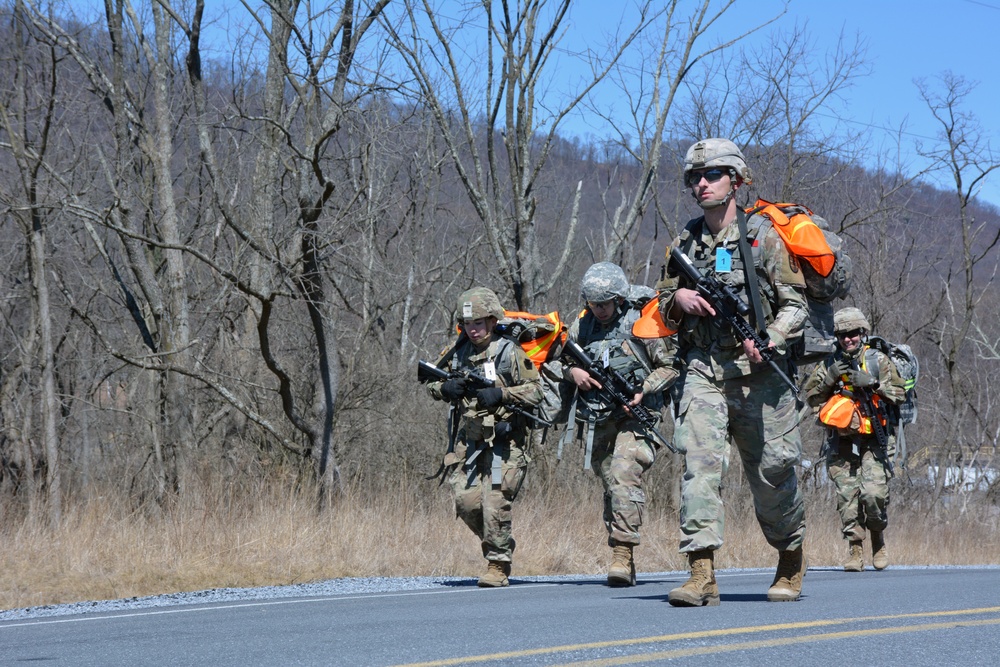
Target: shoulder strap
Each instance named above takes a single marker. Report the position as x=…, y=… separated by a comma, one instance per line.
x=693, y=228
x=870, y=360
x=446, y=358
x=749, y=269
x=638, y=345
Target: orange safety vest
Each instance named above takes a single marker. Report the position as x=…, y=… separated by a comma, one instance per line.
x=845, y=413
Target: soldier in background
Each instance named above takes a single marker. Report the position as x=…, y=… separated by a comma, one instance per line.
x=621, y=450
x=852, y=449
x=489, y=461
x=727, y=394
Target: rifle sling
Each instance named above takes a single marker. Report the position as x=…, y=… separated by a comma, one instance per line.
x=749, y=270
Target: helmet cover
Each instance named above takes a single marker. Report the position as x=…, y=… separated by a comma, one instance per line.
x=603, y=282
x=716, y=152
x=477, y=303
x=848, y=319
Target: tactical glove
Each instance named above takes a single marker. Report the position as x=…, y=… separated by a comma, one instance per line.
x=502, y=431
x=489, y=398
x=862, y=380
x=453, y=389
x=839, y=369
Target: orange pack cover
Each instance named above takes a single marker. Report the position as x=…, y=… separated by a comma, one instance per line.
x=801, y=235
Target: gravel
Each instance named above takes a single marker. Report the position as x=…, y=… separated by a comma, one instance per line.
x=347, y=586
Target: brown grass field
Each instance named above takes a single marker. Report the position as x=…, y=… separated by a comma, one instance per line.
x=215, y=538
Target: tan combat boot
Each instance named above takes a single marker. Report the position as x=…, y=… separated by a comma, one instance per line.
x=787, y=585
x=880, y=555
x=855, y=562
x=621, y=572
x=700, y=590
x=496, y=575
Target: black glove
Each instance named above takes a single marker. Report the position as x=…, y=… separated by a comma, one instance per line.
x=840, y=368
x=502, y=431
x=862, y=380
x=453, y=389
x=489, y=398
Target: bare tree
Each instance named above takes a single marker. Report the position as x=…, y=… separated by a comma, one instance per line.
x=962, y=306
x=487, y=99
x=651, y=86
x=27, y=117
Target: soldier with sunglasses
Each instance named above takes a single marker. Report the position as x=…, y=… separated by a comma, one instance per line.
x=727, y=393
x=852, y=458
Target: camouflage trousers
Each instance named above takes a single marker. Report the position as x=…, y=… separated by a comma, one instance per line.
x=862, y=490
x=758, y=414
x=484, y=507
x=620, y=457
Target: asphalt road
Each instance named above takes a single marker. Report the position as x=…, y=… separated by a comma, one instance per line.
x=911, y=616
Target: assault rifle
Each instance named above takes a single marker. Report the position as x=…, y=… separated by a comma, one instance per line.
x=730, y=307
x=428, y=372
x=616, y=386
x=875, y=413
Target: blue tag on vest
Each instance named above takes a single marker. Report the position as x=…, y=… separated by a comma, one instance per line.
x=723, y=260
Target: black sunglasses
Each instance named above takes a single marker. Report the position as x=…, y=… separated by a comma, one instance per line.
x=850, y=334
x=692, y=178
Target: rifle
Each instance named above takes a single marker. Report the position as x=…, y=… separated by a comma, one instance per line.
x=730, y=307
x=616, y=387
x=428, y=372
x=874, y=414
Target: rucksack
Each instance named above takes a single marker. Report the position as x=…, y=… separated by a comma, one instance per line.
x=826, y=267
x=905, y=361
x=542, y=338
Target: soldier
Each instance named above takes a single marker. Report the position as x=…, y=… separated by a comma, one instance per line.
x=620, y=449
x=854, y=458
x=489, y=461
x=727, y=393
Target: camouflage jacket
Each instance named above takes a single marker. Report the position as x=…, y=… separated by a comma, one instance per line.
x=645, y=362
x=708, y=342
x=515, y=374
x=819, y=387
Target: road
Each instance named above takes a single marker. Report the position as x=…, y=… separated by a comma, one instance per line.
x=902, y=616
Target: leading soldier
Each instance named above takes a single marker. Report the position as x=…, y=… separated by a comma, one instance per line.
x=727, y=393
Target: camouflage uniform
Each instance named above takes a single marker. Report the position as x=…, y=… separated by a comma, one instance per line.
x=724, y=397
x=622, y=451
x=481, y=501
x=862, y=481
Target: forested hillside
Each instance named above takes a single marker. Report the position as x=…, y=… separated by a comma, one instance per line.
x=223, y=257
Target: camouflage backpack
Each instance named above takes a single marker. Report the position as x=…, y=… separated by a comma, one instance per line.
x=905, y=361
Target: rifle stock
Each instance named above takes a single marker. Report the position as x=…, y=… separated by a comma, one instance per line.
x=731, y=308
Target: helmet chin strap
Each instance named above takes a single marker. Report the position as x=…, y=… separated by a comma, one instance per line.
x=714, y=203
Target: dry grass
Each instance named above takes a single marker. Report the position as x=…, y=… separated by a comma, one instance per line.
x=104, y=548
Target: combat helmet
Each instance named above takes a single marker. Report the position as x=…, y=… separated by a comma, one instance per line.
x=716, y=152
x=848, y=319
x=477, y=303
x=603, y=282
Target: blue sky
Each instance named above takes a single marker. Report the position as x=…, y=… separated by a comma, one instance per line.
x=904, y=40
